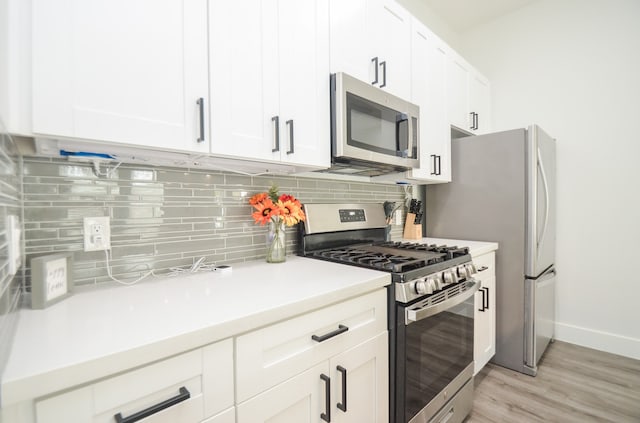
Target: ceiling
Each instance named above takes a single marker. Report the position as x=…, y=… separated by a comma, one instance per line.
x=462, y=15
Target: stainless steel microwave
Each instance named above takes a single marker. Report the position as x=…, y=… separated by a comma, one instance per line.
x=372, y=132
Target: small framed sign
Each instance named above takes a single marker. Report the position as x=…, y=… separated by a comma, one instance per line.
x=51, y=279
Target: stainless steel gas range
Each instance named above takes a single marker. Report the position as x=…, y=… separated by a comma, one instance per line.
x=431, y=307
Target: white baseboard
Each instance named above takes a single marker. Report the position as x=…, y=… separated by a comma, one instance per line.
x=598, y=340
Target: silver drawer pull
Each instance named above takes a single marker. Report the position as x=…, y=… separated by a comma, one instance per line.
x=341, y=329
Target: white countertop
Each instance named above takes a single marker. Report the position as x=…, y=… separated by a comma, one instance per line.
x=476, y=248
x=104, y=330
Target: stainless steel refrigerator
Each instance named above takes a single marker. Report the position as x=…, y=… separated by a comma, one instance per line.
x=503, y=189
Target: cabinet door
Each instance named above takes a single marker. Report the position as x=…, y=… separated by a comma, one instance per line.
x=360, y=383
x=428, y=71
x=391, y=26
x=300, y=399
x=480, y=103
x=270, y=81
x=227, y=416
x=458, y=92
x=217, y=376
x=484, y=347
x=121, y=71
x=370, y=40
x=352, y=48
x=303, y=32
x=243, y=56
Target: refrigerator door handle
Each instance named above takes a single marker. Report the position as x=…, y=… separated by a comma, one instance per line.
x=545, y=185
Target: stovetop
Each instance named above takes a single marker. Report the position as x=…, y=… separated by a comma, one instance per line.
x=396, y=257
x=354, y=234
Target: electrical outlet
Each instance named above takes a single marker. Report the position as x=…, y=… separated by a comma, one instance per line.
x=97, y=233
x=12, y=227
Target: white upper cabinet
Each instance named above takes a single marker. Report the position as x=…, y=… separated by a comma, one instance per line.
x=480, y=103
x=428, y=90
x=121, y=71
x=370, y=40
x=467, y=96
x=269, y=79
x=458, y=92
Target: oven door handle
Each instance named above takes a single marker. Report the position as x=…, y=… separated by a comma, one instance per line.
x=413, y=315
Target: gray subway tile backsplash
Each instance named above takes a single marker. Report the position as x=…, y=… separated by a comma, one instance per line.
x=10, y=204
x=159, y=212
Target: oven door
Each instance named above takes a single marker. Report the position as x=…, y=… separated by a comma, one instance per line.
x=434, y=358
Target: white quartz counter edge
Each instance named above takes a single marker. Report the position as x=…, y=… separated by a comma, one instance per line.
x=476, y=248
x=103, y=331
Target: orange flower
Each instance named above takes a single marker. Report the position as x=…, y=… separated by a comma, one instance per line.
x=265, y=210
x=290, y=211
x=270, y=205
x=258, y=198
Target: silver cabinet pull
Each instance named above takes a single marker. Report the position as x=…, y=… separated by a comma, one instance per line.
x=276, y=133
x=200, y=104
x=375, y=64
x=290, y=124
x=383, y=64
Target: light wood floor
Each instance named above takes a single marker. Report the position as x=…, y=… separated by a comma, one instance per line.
x=574, y=384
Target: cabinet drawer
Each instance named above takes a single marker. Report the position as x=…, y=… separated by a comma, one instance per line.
x=206, y=374
x=485, y=260
x=275, y=353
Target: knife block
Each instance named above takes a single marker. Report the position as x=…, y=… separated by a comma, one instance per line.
x=411, y=230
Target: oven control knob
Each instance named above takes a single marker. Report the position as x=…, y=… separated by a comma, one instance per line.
x=437, y=283
x=425, y=286
x=449, y=277
x=422, y=287
x=463, y=272
x=471, y=269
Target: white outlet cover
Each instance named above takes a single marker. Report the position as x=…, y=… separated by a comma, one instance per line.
x=12, y=225
x=97, y=241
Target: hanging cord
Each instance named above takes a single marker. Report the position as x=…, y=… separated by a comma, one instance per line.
x=107, y=173
x=106, y=255
x=198, y=266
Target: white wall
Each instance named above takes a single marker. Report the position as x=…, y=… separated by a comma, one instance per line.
x=573, y=67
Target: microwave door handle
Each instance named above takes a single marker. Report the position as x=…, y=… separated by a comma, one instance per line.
x=400, y=118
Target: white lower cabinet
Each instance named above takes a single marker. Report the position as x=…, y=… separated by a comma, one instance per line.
x=330, y=364
x=227, y=416
x=356, y=382
x=298, y=400
x=484, y=344
x=360, y=382
x=172, y=390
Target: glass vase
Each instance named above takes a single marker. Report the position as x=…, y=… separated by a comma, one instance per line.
x=276, y=242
